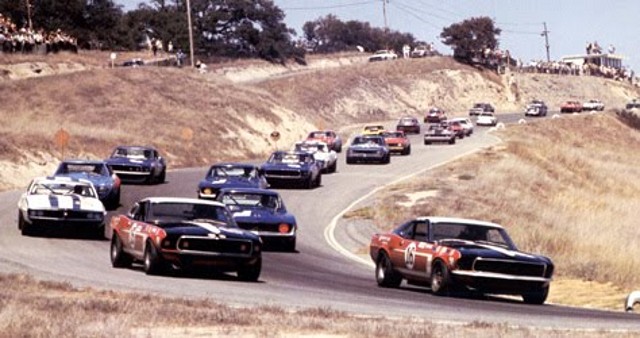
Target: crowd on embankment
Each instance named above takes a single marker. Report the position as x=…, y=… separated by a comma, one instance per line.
x=28, y=40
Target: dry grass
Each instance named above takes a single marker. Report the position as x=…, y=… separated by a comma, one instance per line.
x=30, y=308
x=567, y=188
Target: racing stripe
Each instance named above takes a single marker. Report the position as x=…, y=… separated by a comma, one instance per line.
x=209, y=227
x=53, y=201
x=75, y=202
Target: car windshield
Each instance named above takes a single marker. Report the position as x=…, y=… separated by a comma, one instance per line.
x=238, y=200
x=55, y=188
x=319, y=134
x=132, y=153
x=230, y=171
x=288, y=158
x=168, y=212
x=309, y=147
x=393, y=134
x=488, y=114
x=368, y=140
x=408, y=120
x=373, y=128
x=96, y=169
x=471, y=232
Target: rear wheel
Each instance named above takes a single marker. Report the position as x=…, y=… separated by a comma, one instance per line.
x=386, y=277
x=153, y=264
x=440, y=280
x=537, y=297
x=119, y=258
x=250, y=273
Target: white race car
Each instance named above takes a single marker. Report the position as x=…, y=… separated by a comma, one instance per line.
x=57, y=202
x=321, y=153
x=486, y=119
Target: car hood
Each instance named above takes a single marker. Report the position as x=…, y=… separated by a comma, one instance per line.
x=97, y=180
x=285, y=166
x=235, y=182
x=70, y=202
x=262, y=215
x=472, y=249
x=366, y=146
x=395, y=140
x=128, y=161
x=190, y=228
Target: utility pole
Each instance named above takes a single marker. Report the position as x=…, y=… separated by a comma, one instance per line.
x=545, y=33
x=29, y=15
x=190, y=32
x=384, y=13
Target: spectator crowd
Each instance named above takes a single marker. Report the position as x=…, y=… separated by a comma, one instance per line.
x=27, y=40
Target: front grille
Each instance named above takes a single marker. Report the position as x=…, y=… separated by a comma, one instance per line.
x=283, y=173
x=365, y=151
x=271, y=227
x=508, y=267
x=133, y=168
x=214, y=245
x=67, y=214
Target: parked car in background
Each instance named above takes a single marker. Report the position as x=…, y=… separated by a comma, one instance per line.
x=171, y=233
x=55, y=203
x=138, y=164
x=230, y=175
x=327, y=158
x=397, y=142
x=262, y=212
x=106, y=182
x=383, y=55
x=486, y=119
x=536, y=108
x=376, y=129
x=481, y=107
x=420, y=51
x=454, y=255
x=435, y=115
x=408, y=125
x=330, y=137
x=593, y=105
x=439, y=133
x=467, y=125
x=571, y=106
x=290, y=168
x=368, y=148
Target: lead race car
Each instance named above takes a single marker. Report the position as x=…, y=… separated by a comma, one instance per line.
x=181, y=233
x=60, y=202
x=138, y=164
x=456, y=255
x=262, y=212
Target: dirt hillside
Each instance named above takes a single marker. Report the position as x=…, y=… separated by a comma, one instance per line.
x=228, y=112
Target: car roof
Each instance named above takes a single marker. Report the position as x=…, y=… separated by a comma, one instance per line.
x=233, y=164
x=136, y=147
x=81, y=161
x=434, y=219
x=184, y=200
x=61, y=179
x=250, y=191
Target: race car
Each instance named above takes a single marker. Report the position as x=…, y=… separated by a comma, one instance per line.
x=486, y=119
x=397, y=142
x=321, y=153
x=465, y=123
x=262, y=212
x=58, y=203
x=536, y=108
x=372, y=129
x=104, y=180
x=593, y=104
x=289, y=168
x=571, y=107
x=170, y=233
x=230, y=175
x=481, y=107
x=454, y=255
x=368, y=148
x=330, y=137
x=439, y=133
x=138, y=164
x=408, y=124
x=435, y=115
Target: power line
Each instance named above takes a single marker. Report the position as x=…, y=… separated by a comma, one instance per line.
x=419, y=18
x=329, y=7
x=412, y=8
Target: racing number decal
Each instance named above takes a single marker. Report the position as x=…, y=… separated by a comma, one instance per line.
x=132, y=234
x=410, y=256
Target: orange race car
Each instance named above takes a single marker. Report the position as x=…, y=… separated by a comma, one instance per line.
x=397, y=142
x=571, y=107
x=459, y=255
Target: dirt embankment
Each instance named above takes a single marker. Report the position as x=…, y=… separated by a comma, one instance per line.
x=228, y=113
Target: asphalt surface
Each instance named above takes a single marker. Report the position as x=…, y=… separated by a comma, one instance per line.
x=315, y=276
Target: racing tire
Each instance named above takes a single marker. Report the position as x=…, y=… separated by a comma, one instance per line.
x=114, y=202
x=153, y=264
x=386, y=277
x=99, y=232
x=426, y=143
x=119, y=258
x=461, y=136
x=25, y=228
x=537, y=297
x=250, y=273
x=163, y=176
x=407, y=151
x=334, y=167
x=440, y=280
x=339, y=149
x=349, y=161
x=318, y=181
x=290, y=246
x=308, y=184
x=452, y=141
x=387, y=159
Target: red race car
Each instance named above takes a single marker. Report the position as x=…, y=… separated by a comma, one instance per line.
x=397, y=142
x=329, y=137
x=571, y=107
x=459, y=255
x=167, y=232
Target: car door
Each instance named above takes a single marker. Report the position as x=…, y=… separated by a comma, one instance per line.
x=419, y=251
x=402, y=249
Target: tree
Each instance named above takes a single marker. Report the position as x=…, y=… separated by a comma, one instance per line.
x=471, y=37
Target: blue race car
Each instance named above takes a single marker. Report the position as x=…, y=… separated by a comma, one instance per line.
x=138, y=164
x=230, y=175
x=368, y=148
x=262, y=212
x=99, y=174
x=292, y=168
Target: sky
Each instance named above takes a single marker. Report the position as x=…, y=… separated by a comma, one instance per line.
x=571, y=23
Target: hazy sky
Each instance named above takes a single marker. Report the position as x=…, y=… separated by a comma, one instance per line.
x=571, y=23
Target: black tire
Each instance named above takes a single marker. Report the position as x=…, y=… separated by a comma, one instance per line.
x=537, y=297
x=387, y=159
x=452, y=140
x=119, y=258
x=26, y=229
x=153, y=264
x=250, y=273
x=461, y=136
x=426, y=143
x=386, y=277
x=440, y=280
x=407, y=151
x=318, y=180
x=334, y=167
x=290, y=246
x=339, y=149
x=114, y=202
x=349, y=161
x=99, y=232
x=163, y=176
x=308, y=184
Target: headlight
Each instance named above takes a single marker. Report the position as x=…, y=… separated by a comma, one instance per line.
x=284, y=228
x=207, y=191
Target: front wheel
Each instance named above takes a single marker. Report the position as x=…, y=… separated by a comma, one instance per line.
x=25, y=228
x=163, y=176
x=250, y=273
x=440, y=280
x=537, y=297
x=386, y=277
x=333, y=167
x=119, y=258
x=152, y=261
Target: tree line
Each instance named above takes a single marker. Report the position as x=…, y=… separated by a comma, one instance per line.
x=225, y=28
